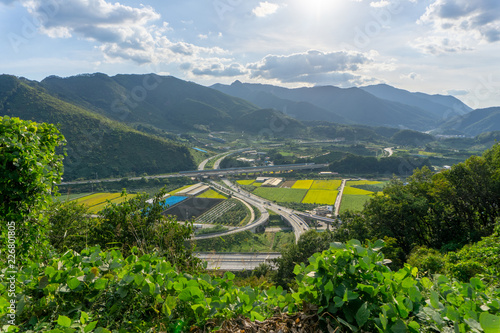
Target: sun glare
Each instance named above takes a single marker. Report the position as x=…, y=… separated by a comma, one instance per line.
x=317, y=8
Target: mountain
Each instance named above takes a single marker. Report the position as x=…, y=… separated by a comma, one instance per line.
x=443, y=107
x=473, y=123
x=264, y=99
x=96, y=146
x=162, y=101
x=351, y=105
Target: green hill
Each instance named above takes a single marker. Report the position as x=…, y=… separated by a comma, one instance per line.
x=162, y=101
x=97, y=146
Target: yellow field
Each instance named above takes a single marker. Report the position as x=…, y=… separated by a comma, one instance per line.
x=303, y=184
x=362, y=182
x=97, y=198
x=245, y=182
x=97, y=201
x=320, y=197
x=356, y=191
x=179, y=189
x=326, y=184
x=211, y=194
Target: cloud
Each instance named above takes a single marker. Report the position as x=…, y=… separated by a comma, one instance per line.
x=265, y=9
x=462, y=17
x=309, y=66
x=121, y=32
x=457, y=92
x=220, y=70
x=440, y=44
x=380, y=4
x=411, y=76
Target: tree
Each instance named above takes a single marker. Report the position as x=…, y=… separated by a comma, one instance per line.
x=29, y=169
x=309, y=243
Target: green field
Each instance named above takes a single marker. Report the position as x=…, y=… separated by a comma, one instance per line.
x=320, y=197
x=326, y=184
x=211, y=194
x=280, y=194
x=303, y=184
x=353, y=202
x=68, y=197
x=179, y=189
x=362, y=182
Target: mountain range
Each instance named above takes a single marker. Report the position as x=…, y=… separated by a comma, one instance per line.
x=129, y=124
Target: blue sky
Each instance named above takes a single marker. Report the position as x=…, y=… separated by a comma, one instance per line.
x=432, y=46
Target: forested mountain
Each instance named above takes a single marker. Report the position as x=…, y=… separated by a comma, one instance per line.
x=96, y=146
x=474, y=123
x=163, y=101
x=352, y=105
x=443, y=107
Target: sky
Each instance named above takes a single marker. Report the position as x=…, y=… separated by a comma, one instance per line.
x=431, y=46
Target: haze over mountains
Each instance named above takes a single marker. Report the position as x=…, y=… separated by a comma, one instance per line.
x=379, y=105
x=128, y=123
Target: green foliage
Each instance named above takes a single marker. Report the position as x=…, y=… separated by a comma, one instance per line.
x=350, y=282
x=429, y=261
x=480, y=259
x=246, y=241
x=411, y=138
x=233, y=216
x=96, y=290
x=29, y=169
x=309, y=243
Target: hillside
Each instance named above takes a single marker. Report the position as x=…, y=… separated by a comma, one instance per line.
x=264, y=99
x=474, y=123
x=162, y=101
x=352, y=105
x=96, y=146
x=444, y=107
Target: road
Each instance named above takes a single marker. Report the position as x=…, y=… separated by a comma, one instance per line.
x=236, y=261
x=224, y=154
x=338, y=201
x=299, y=225
x=389, y=151
x=201, y=173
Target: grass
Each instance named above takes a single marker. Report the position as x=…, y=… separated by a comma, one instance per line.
x=348, y=190
x=353, y=202
x=68, y=197
x=326, y=184
x=245, y=182
x=247, y=242
x=320, y=197
x=211, y=194
x=280, y=194
x=303, y=184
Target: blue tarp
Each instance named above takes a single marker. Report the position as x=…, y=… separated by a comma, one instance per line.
x=170, y=201
x=198, y=149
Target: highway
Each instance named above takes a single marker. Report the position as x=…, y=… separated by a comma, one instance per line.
x=299, y=225
x=236, y=261
x=201, y=173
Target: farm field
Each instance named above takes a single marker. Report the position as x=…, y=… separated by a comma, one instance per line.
x=245, y=181
x=68, y=197
x=353, y=202
x=348, y=190
x=303, y=184
x=362, y=182
x=211, y=194
x=179, y=189
x=97, y=201
x=325, y=185
x=280, y=194
x=320, y=197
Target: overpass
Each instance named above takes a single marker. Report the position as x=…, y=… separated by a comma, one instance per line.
x=218, y=172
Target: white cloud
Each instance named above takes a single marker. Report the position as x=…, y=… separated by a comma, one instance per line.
x=220, y=70
x=475, y=21
x=121, y=32
x=437, y=45
x=311, y=66
x=411, y=76
x=380, y=4
x=265, y=9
